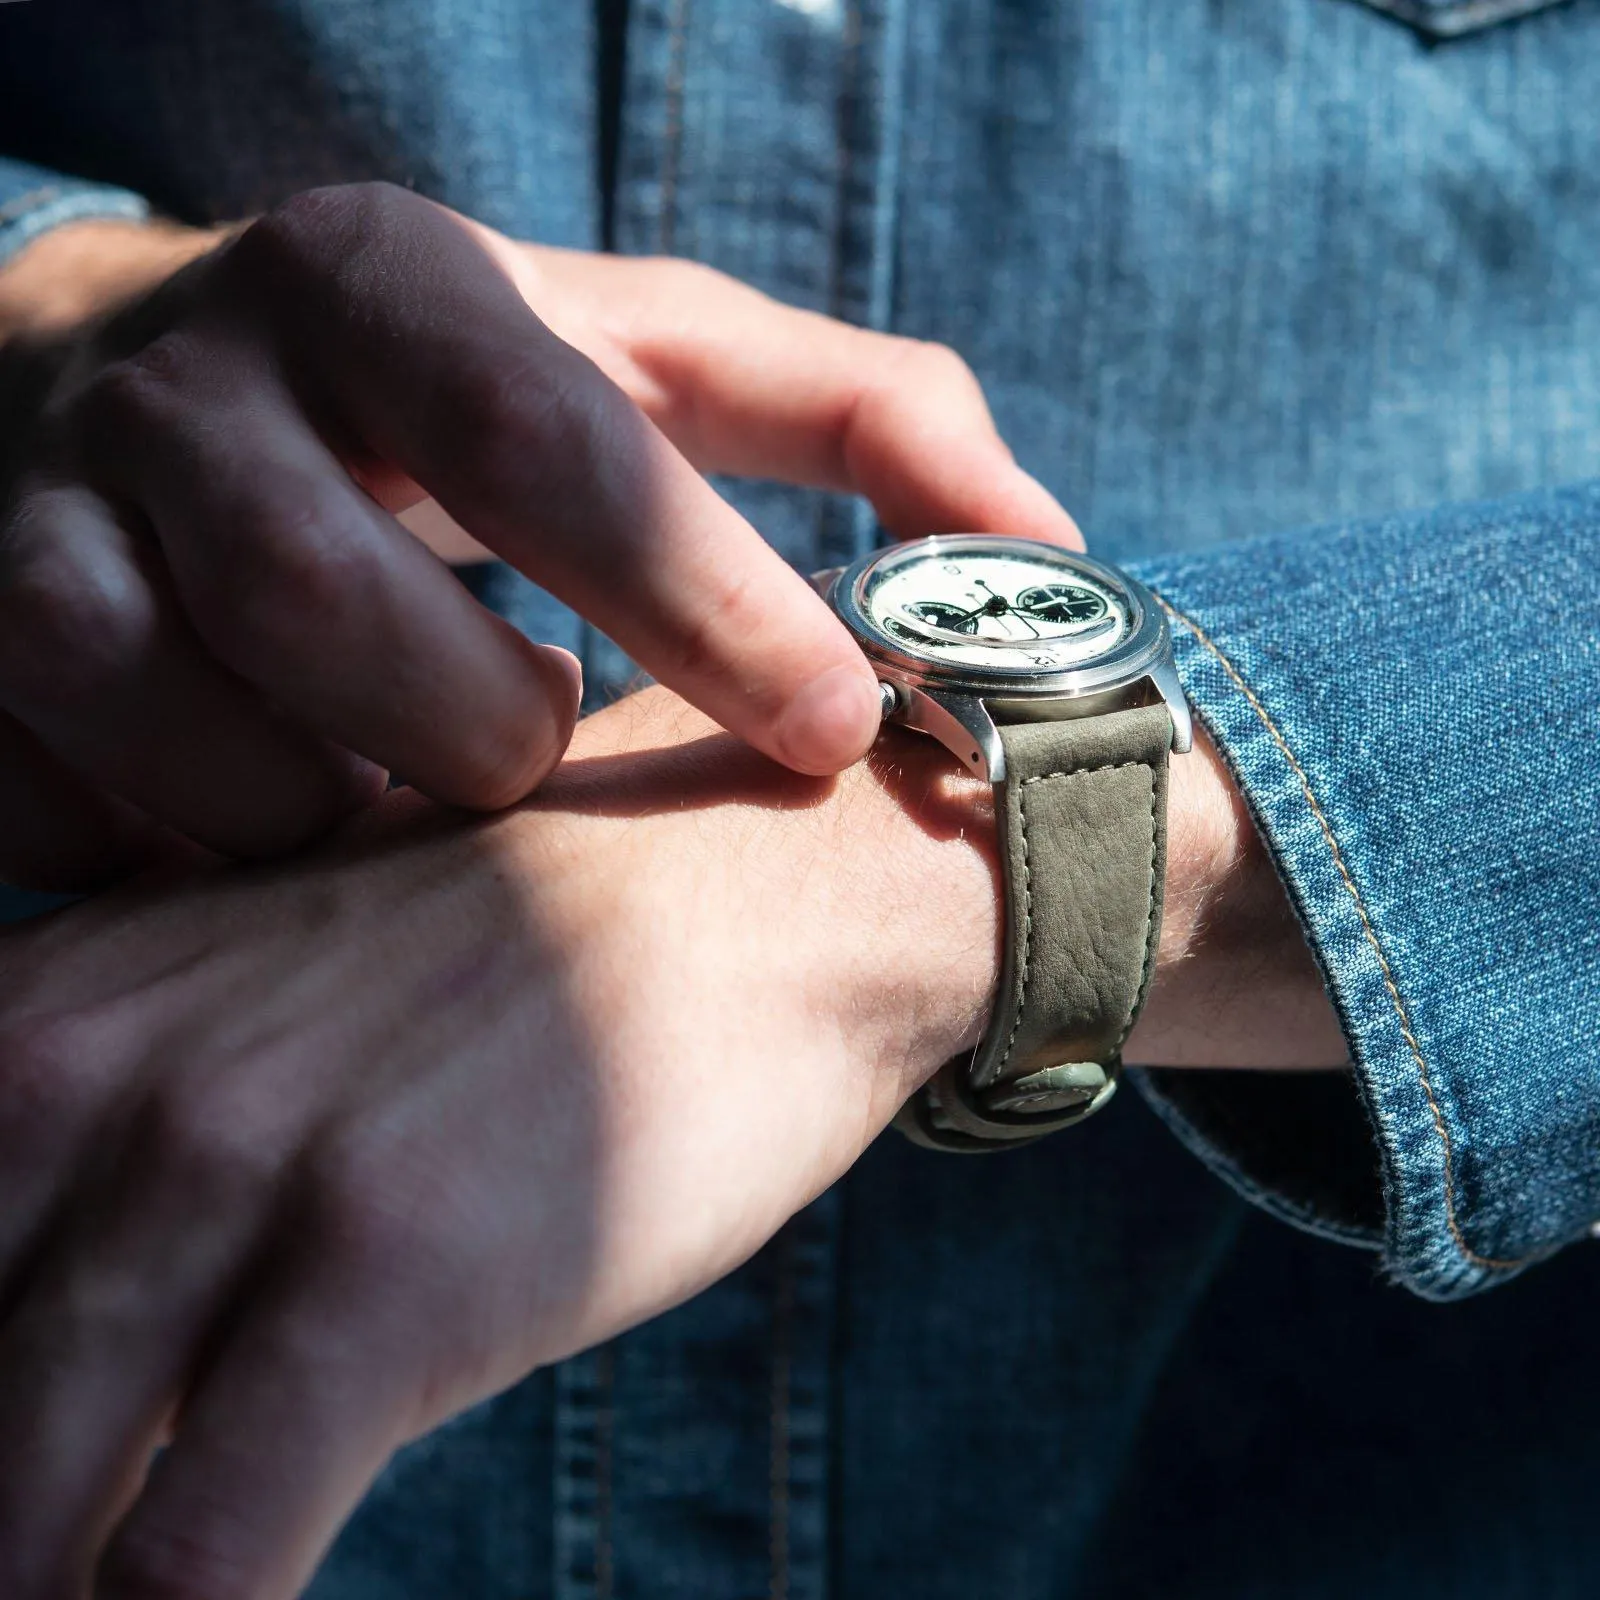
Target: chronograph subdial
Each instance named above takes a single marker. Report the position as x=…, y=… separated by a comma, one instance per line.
x=948, y=618
x=1039, y=614
x=988, y=624
x=1067, y=603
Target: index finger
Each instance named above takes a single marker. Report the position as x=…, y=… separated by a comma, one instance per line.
x=447, y=374
x=744, y=384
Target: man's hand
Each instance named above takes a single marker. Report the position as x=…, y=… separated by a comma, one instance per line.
x=214, y=629
x=309, y=1158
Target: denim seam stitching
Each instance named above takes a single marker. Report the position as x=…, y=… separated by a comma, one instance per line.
x=605, y=1420
x=1370, y=932
x=35, y=212
x=1217, y=1159
x=30, y=200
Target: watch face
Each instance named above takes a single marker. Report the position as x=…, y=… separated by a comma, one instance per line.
x=994, y=605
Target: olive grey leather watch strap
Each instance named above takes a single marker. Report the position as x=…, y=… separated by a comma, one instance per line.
x=1082, y=819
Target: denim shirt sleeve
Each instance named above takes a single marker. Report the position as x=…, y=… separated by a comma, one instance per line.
x=34, y=200
x=1412, y=710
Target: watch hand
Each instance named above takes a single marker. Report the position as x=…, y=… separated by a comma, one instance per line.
x=966, y=616
x=995, y=606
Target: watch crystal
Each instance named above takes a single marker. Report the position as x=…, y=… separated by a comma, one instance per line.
x=998, y=604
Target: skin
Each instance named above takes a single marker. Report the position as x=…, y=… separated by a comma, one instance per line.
x=300, y=1161
x=217, y=633
x=297, y=1161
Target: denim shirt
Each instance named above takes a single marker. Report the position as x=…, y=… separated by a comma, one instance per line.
x=1296, y=305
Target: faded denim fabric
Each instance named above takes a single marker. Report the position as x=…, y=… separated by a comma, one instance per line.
x=1225, y=269
x=1408, y=705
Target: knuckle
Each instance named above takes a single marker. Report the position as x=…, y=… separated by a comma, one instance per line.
x=680, y=288
x=926, y=364
x=49, y=1084
x=693, y=278
x=376, y=1213
x=303, y=239
x=292, y=234
x=171, y=1563
x=207, y=1144
x=141, y=390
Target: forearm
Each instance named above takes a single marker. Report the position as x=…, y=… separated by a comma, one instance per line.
x=486, y=1091
x=768, y=965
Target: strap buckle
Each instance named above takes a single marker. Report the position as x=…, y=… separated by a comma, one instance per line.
x=948, y=1113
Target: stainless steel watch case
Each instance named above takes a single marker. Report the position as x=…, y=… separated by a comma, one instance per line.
x=964, y=707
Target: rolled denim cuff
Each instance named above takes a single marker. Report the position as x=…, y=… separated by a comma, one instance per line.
x=33, y=200
x=1409, y=708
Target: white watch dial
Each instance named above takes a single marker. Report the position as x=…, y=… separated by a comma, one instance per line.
x=983, y=608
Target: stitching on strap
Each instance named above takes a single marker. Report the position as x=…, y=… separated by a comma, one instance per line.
x=1372, y=939
x=1027, y=899
x=1110, y=766
x=672, y=136
x=1027, y=923
x=1149, y=921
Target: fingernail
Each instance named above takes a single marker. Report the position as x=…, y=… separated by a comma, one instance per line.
x=831, y=722
x=1066, y=530
x=571, y=667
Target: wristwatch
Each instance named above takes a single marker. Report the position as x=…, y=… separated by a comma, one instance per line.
x=1051, y=676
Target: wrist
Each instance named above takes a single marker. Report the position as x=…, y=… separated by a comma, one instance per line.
x=1235, y=983
x=79, y=272
x=879, y=890
x=866, y=908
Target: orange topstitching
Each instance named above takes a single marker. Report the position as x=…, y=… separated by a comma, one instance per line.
x=1372, y=939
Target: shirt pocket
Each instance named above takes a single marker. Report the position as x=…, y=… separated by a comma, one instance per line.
x=1450, y=19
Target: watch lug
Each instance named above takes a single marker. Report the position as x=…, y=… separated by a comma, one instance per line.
x=961, y=723
x=1164, y=675
x=824, y=580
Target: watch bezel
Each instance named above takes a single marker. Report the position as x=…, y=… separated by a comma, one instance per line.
x=1130, y=659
